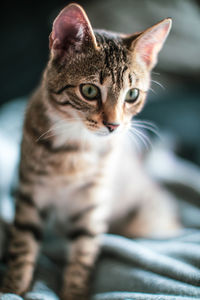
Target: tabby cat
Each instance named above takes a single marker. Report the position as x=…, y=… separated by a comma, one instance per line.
x=74, y=154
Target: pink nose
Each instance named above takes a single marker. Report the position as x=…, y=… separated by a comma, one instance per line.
x=111, y=126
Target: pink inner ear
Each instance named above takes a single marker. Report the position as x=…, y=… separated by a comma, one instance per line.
x=151, y=42
x=147, y=55
x=70, y=28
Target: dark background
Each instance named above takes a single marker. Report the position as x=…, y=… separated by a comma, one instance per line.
x=25, y=28
x=26, y=25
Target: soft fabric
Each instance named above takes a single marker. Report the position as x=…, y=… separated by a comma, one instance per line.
x=133, y=269
x=126, y=269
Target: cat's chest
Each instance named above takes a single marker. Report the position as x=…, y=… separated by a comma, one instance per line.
x=74, y=165
x=68, y=175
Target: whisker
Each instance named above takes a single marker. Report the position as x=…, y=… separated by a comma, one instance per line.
x=64, y=126
x=158, y=83
x=62, y=129
x=152, y=90
x=56, y=133
x=134, y=139
x=140, y=139
x=144, y=122
x=145, y=126
x=145, y=140
x=49, y=136
x=149, y=127
x=49, y=130
x=155, y=73
x=148, y=124
x=58, y=125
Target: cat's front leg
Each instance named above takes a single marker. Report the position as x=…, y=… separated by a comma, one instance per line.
x=24, y=242
x=84, y=248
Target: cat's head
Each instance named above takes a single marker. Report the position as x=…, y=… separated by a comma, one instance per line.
x=100, y=77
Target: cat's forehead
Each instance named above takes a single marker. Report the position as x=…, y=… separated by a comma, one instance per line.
x=115, y=58
x=121, y=77
x=111, y=66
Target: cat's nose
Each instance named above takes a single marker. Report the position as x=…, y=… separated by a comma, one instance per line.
x=111, y=126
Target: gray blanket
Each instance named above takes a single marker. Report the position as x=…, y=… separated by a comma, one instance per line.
x=131, y=269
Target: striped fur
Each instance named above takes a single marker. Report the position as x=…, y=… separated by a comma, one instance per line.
x=72, y=163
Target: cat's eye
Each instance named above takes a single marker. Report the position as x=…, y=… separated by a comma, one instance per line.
x=90, y=91
x=132, y=95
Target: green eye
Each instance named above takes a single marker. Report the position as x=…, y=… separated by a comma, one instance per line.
x=132, y=95
x=89, y=91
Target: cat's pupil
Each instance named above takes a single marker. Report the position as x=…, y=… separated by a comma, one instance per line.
x=132, y=95
x=89, y=91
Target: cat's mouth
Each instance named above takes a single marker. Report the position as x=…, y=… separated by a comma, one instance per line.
x=108, y=129
x=100, y=133
x=104, y=132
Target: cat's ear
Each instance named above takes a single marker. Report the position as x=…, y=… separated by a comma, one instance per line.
x=71, y=31
x=146, y=46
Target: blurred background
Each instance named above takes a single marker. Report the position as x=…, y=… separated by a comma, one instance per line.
x=173, y=102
